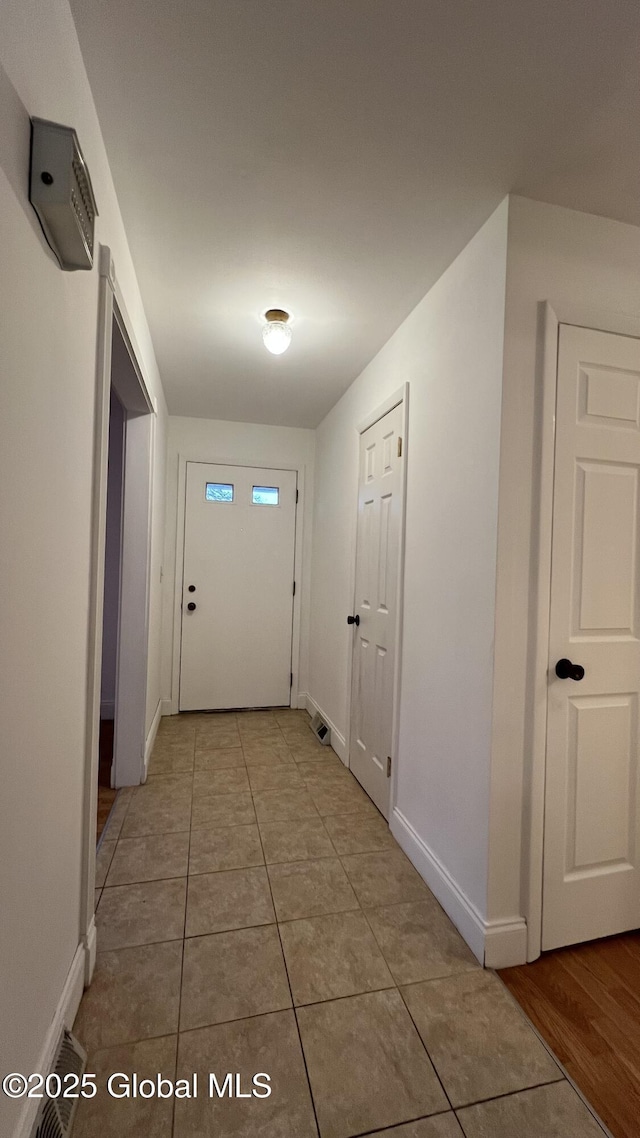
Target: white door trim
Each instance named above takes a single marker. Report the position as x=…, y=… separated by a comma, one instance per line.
x=551, y=316
x=110, y=306
x=400, y=396
x=183, y=459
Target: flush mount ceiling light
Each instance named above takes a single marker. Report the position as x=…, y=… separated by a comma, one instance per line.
x=276, y=332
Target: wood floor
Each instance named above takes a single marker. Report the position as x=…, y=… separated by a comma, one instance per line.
x=585, y=1001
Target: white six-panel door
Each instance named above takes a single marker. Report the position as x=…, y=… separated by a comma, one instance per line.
x=592, y=809
x=238, y=576
x=376, y=605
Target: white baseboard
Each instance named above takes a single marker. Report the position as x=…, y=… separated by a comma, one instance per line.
x=108, y=709
x=301, y=704
x=65, y=1014
x=167, y=707
x=497, y=943
x=151, y=737
x=505, y=943
x=454, y=901
x=91, y=948
x=338, y=741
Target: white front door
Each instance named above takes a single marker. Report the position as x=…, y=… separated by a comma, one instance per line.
x=592, y=809
x=376, y=606
x=237, y=589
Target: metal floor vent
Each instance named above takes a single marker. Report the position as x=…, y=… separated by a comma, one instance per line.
x=320, y=729
x=55, y=1117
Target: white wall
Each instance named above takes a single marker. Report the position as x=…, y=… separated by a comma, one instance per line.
x=48, y=364
x=450, y=351
x=591, y=266
x=112, y=559
x=250, y=444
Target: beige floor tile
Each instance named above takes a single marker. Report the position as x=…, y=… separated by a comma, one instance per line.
x=419, y=942
x=228, y=780
x=109, y=1117
x=366, y=1064
x=173, y=786
x=300, y=733
x=150, y=859
x=217, y=739
x=332, y=956
x=173, y=743
x=275, y=778
x=305, y=751
x=234, y=899
x=141, y=914
x=310, y=888
x=331, y=769
x=284, y=805
x=554, y=1111
x=264, y=738
x=479, y=1041
x=172, y=762
x=254, y=722
x=287, y=716
x=180, y=724
x=157, y=816
x=118, y=814
x=382, y=878
x=438, y=1126
x=266, y=754
x=266, y=1043
x=233, y=975
x=359, y=833
x=218, y=758
x=135, y=994
x=226, y=847
x=298, y=840
x=213, y=810
x=104, y=856
x=338, y=796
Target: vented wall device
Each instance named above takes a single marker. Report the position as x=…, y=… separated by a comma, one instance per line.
x=61, y=193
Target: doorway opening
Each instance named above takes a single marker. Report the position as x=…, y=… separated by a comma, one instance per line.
x=125, y=595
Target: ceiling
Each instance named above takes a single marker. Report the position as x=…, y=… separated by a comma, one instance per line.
x=332, y=157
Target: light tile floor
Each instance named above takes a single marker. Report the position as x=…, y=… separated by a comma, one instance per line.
x=255, y=914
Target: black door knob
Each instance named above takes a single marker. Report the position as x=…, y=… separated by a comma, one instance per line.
x=192, y=588
x=354, y=620
x=565, y=670
x=191, y=606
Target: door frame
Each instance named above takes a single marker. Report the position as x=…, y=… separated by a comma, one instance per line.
x=400, y=397
x=551, y=316
x=138, y=400
x=298, y=568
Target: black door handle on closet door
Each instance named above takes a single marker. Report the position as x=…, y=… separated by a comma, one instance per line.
x=566, y=670
x=191, y=606
x=354, y=620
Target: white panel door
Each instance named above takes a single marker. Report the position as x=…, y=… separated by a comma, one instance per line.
x=237, y=603
x=376, y=606
x=592, y=816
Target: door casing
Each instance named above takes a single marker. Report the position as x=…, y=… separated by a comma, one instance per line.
x=399, y=397
x=550, y=318
x=139, y=401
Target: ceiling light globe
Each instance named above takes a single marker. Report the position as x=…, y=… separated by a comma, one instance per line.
x=276, y=333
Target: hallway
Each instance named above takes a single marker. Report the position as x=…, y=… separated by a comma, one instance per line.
x=256, y=915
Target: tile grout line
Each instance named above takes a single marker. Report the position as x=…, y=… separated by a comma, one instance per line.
x=286, y=969
x=184, y=942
